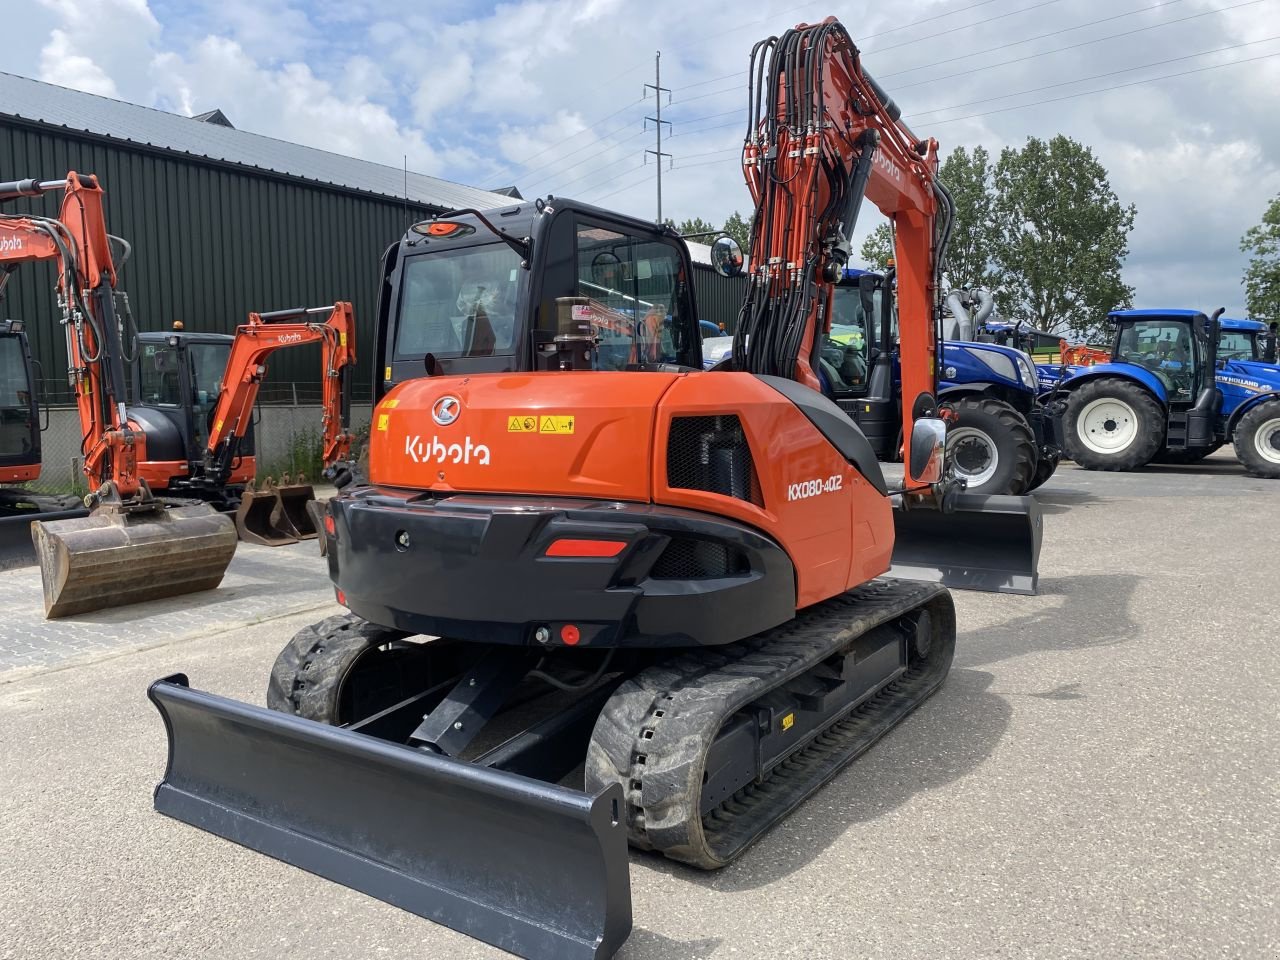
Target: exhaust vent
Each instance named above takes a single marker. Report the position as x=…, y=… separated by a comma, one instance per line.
x=712, y=454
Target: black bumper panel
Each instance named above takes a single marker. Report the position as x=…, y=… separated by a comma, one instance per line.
x=475, y=568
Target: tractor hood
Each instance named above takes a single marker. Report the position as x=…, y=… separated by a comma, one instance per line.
x=987, y=363
x=587, y=434
x=1253, y=376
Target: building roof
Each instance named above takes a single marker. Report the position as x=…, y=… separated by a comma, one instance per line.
x=75, y=111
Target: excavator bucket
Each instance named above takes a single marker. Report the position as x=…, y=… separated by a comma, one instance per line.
x=254, y=517
x=110, y=558
x=536, y=869
x=289, y=515
x=315, y=513
x=989, y=543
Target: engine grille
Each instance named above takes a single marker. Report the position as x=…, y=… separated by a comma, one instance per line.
x=712, y=454
x=685, y=558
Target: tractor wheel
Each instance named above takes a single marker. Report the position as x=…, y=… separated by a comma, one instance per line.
x=312, y=675
x=1112, y=424
x=1184, y=456
x=991, y=446
x=1257, y=440
x=1045, y=468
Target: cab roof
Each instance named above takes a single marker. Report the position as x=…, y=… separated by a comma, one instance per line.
x=1115, y=316
x=1248, y=326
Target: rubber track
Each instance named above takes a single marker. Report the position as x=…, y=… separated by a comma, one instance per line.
x=654, y=734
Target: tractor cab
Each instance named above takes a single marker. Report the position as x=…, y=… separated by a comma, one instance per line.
x=1245, y=340
x=559, y=285
x=19, y=408
x=176, y=379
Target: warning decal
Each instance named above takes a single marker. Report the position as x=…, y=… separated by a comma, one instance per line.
x=558, y=423
x=522, y=424
x=383, y=419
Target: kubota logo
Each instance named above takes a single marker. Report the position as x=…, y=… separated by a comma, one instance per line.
x=446, y=410
x=433, y=451
x=10, y=244
x=289, y=338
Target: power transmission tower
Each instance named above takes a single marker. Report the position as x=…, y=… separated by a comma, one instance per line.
x=657, y=121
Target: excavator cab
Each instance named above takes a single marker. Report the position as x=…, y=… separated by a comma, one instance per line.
x=19, y=407
x=175, y=381
x=458, y=296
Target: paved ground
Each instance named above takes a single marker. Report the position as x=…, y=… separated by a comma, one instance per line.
x=1100, y=777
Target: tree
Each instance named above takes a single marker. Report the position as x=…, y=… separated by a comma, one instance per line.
x=740, y=229
x=1061, y=236
x=696, y=225
x=877, y=249
x=1262, y=276
x=974, y=236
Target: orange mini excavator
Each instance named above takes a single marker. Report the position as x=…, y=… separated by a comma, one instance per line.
x=132, y=546
x=598, y=594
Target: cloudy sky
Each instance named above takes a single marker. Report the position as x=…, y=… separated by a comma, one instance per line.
x=1179, y=98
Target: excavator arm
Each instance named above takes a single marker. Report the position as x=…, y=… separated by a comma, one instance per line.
x=822, y=136
x=255, y=341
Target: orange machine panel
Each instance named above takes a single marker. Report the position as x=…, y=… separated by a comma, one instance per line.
x=836, y=527
x=22, y=473
x=569, y=434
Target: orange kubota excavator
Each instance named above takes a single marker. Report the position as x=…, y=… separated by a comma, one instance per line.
x=597, y=594
x=134, y=545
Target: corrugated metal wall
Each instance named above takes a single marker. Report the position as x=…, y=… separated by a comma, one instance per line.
x=210, y=243
x=719, y=298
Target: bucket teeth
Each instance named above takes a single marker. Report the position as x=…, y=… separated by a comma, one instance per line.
x=255, y=517
x=111, y=559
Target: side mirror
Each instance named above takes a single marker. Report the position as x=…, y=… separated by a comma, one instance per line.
x=928, y=449
x=726, y=257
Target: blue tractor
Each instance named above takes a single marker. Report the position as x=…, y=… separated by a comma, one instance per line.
x=1179, y=386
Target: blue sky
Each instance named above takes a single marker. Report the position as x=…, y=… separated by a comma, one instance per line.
x=547, y=94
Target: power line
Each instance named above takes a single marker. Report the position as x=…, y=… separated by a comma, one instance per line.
x=587, y=128
x=1097, y=76
x=966, y=26
x=1089, y=93
x=627, y=186
x=608, y=149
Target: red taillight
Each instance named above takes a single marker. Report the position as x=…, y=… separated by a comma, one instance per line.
x=586, y=548
x=342, y=597
x=570, y=634
x=329, y=526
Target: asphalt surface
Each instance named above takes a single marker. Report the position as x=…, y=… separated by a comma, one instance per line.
x=1099, y=777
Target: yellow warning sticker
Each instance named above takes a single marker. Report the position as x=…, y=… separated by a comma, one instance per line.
x=387, y=375
x=557, y=423
x=524, y=423
x=788, y=721
x=383, y=419
x=391, y=404
x=342, y=339
x=217, y=427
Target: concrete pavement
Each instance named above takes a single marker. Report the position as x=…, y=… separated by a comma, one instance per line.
x=1099, y=777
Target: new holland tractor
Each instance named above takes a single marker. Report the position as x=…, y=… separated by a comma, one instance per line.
x=1179, y=386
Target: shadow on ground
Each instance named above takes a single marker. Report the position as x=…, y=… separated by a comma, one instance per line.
x=1062, y=500
x=654, y=946
x=1094, y=613
x=946, y=738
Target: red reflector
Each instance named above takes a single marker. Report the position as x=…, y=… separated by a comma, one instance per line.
x=329, y=527
x=442, y=229
x=585, y=548
x=570, y=635
x=342, y=597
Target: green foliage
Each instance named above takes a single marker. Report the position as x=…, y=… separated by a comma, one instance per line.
x=1262, y=276
x=304, y=455
x=877, y=249
x=739, y=228
x=696, y=225
x=1061, y=235
x=971, y=251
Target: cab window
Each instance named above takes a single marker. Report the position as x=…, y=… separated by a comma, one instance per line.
x=1237, y=345
x=458, y=303
x=629, y=289
x=160, y=380
x=1166, y=349
x=16, y=427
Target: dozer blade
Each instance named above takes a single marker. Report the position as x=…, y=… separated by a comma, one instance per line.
x=536, y=869
x=290, y=511
x=989, y=543
x=316, y=510
x=113, y=559
x=254, y=519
